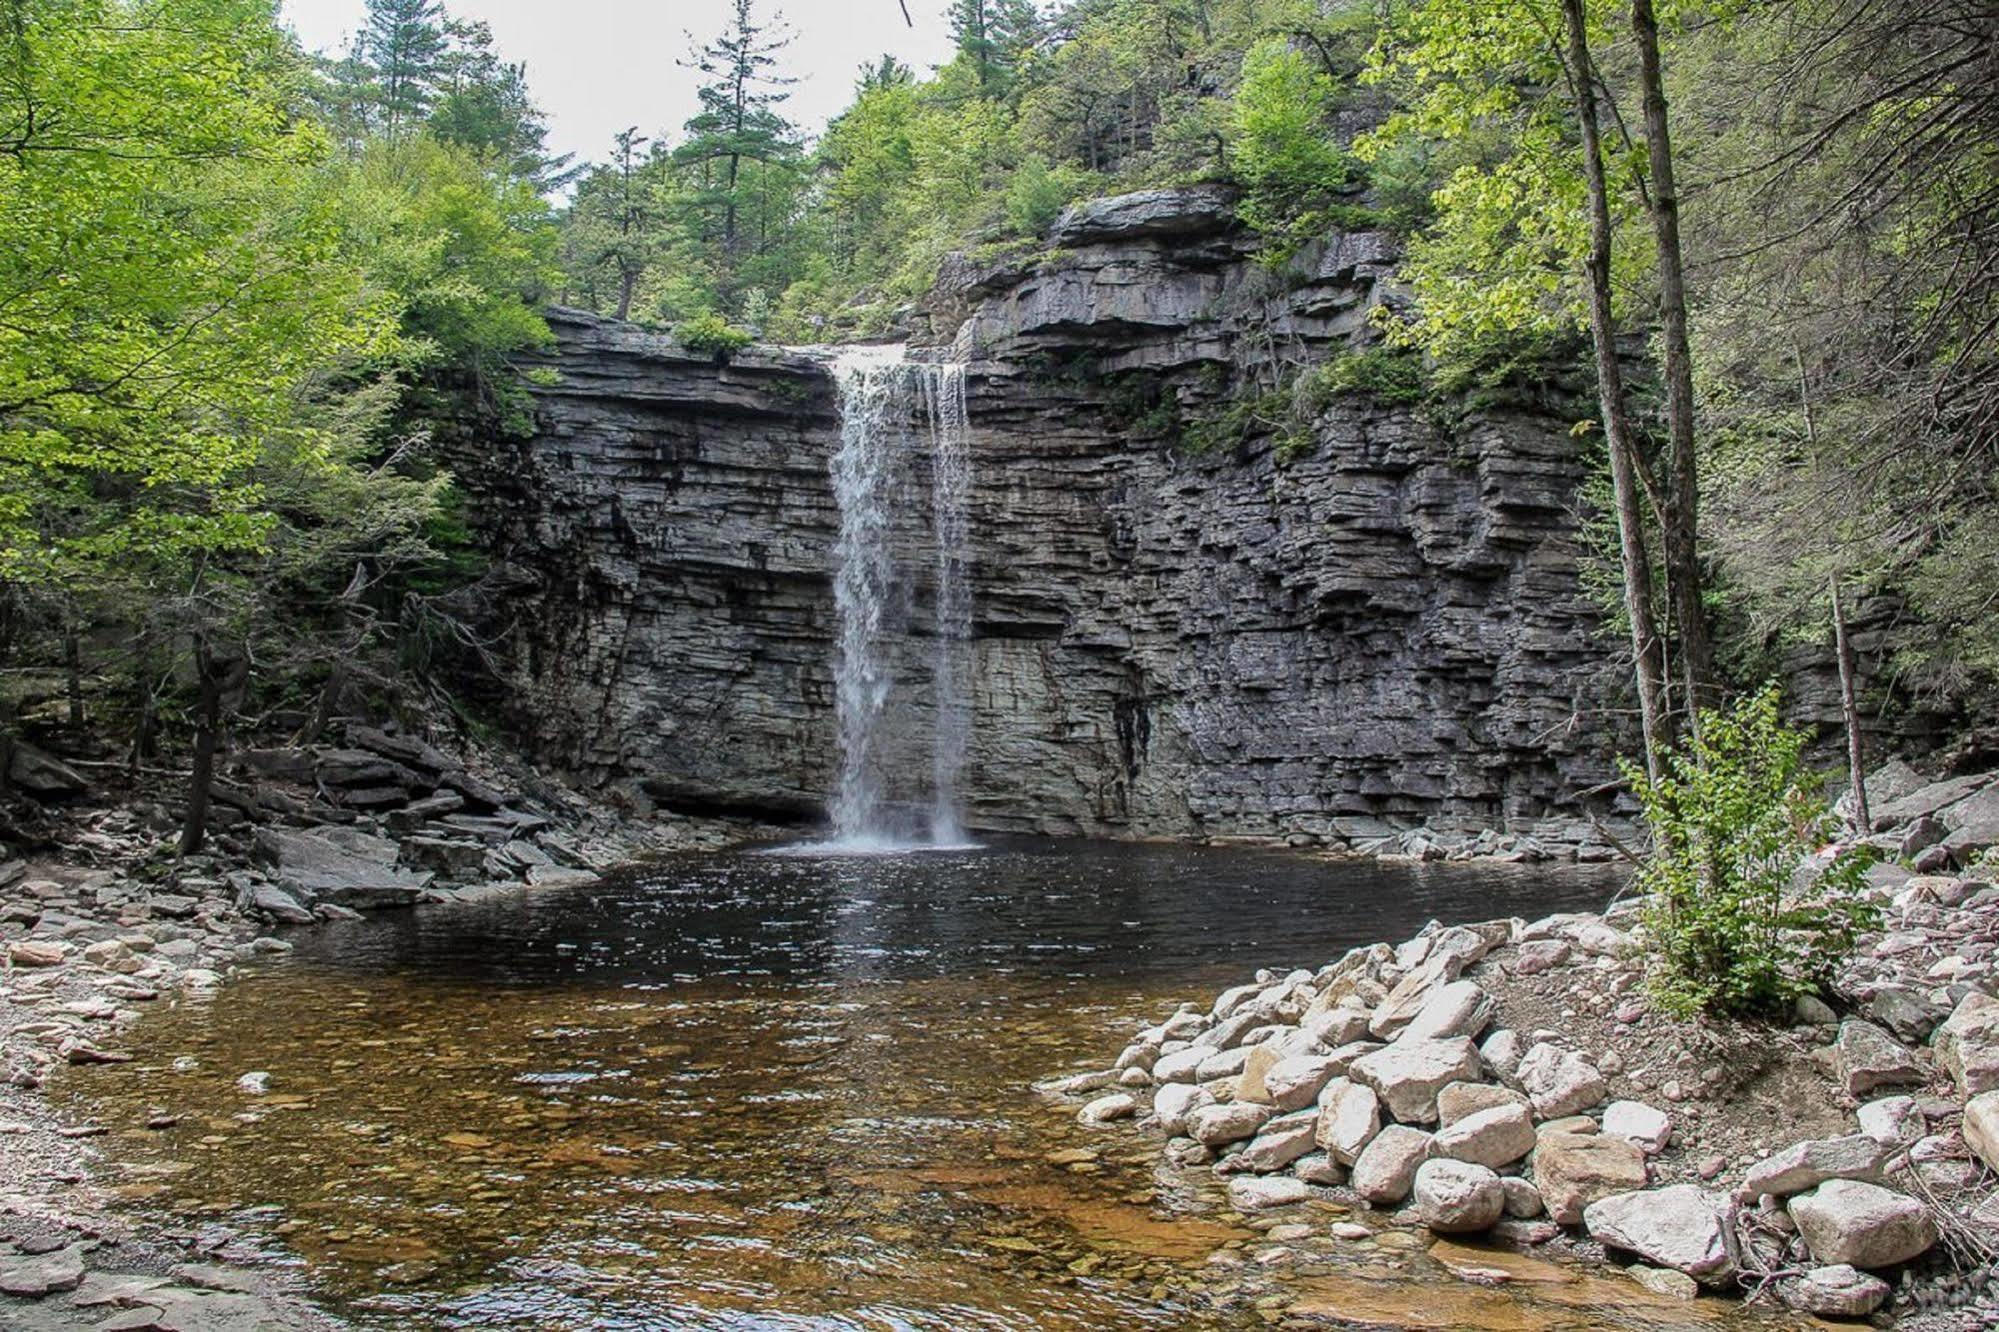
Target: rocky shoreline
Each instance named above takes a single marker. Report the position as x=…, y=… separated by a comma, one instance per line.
x=1507, y=1080
x=108, y=921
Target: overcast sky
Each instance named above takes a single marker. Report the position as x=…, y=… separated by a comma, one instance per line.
x=597, y=66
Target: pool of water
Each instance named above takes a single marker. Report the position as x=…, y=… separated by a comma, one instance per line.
x=754, y=1091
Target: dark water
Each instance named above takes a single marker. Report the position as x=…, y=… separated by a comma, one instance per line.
x=763, y=1092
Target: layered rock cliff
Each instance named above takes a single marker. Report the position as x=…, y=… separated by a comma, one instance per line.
x=1363, y=620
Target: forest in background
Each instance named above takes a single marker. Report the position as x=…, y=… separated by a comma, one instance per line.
x=245, y=290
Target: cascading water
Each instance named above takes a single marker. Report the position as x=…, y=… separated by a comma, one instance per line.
x=881, y=393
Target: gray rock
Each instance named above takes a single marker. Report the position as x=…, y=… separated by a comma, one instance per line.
x=1894, y=1120
x=1219, y=1125
x=267, y=899
x=1910, y=1014
x=1840, y=1291
x=1117, y=1105
x=34, y=1277
x=1385, y=1170
x=1174, y=1103
x=1460, y=1099
x=1282, y=1141
x=1638, y=1123
x=1502, y=1053
x=1259, y=1193
x=1848, y=1221
x=1495, y=1137
x=1149, y=214
x=1573, y=1170
x=340, y=865
x=1349, y=1117
x=1523, y=1200
x=1868, y=1057
x=1457, y=1197
x=1559, y=1082
x=1806, y=1165
x=1680, y=1227
x=1967, y=1044
x=1981, y=1127
x=1461, y=1008
x=1294, y=1083
x=1409, y=1074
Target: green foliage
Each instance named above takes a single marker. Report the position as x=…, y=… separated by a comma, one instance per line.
x=1734, y=816
x=1386, y=374
x=712, y=335
x=1037, y=193
x=1292, y=169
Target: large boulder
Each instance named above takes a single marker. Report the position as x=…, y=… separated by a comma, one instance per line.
x=1573, y=1170
x=1559, y=1082
x=1385, y=1170
x=1806, y=1165
x=1849, y=1221
x=1349, y=1117
x=1678, y=1227
x=1868, y=1057
x=1180, y=1065
x=339, y=865
x=1195, y=210
x=1409, y=1074
x=1493, y=1138
x=1967, y=1044
x=1458, y=1197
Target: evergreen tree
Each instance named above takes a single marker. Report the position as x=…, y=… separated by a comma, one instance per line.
x=482, y=103
x=993, y=37
x=739, y=121
x=401, y=44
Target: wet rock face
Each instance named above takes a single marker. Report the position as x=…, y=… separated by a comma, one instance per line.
x=1385, y=628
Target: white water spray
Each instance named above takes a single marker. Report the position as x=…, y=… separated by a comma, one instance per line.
x=881, y=395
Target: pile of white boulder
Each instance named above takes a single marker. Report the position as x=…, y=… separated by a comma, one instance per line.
x=1384, y=1078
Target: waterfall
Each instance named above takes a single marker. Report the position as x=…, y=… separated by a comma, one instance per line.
x=882, y=397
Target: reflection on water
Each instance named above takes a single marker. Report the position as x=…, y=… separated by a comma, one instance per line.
x=747, y=1091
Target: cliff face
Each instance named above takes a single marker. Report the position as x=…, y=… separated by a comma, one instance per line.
x=1379, y=628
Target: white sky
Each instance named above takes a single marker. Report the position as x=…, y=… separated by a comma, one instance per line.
x=596, y=66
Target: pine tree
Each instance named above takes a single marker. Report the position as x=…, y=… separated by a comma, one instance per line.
x=401, y=44
x=993, y=36
x=738, y=120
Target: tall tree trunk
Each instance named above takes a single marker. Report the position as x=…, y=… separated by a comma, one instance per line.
x=1849, y=706
x=628, y=283
x=1648, y=650
x=207, y=738
x=72, y=666
x=1680, y=521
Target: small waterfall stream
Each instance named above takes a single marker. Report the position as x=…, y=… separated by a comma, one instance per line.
x=882, y=396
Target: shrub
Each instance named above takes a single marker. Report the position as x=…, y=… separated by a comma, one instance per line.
x=1290, y=165
x=709, y=332
x=1732, y=925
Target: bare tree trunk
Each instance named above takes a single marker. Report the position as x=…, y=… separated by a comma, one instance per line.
x=72, y=666
x=1680, y=519
x=207, y=738
x=628, y=282
x=1648, y=651
x=1849, y=704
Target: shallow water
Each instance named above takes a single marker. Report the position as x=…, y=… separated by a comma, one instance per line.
x=749, y=1091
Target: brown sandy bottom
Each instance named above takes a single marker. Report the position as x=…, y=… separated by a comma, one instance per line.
x=750, y=1153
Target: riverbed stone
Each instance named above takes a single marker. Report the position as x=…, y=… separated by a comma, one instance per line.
x=39, y=1275
x=1494, y=1137
x=1680, y=1227
x=1573, y=1170
x=1866, y=1225
x=1318, y=1168
x=1181, y=1065
x=1219, y=1125
x=1258, y=1193
x=1385, y=1170
x=1223, y=1064
x=1409, y=1074
x=1349, y=1117
x=1838, y=1291
x=1457, y=1197
x=1117, y=1105
x=1538, y=955
x=1559, y=1082
x=1502, y=1053
x=1337, y=1025
x=1665, y=1281
x=1868, y=1057
x=1523, y=1200
x=1806, y=1165
x=1634, y=1121
x=1967, y=1044
x=37, y=952
x=1250, y=1082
